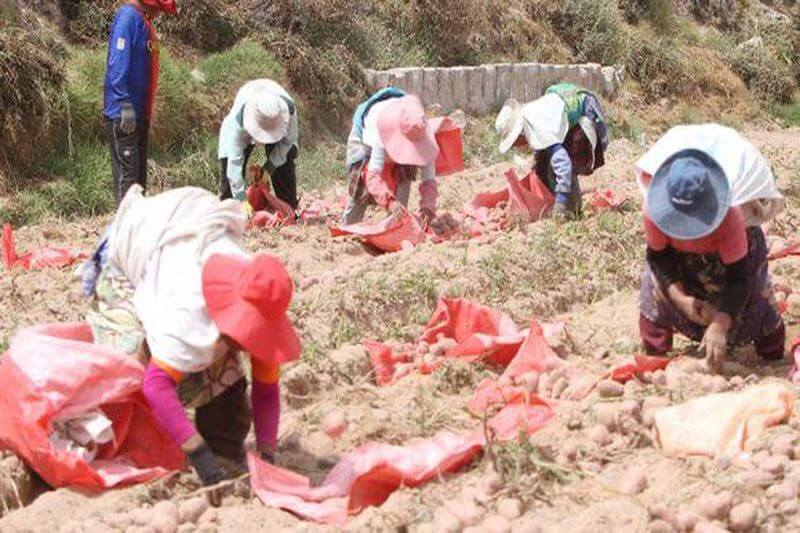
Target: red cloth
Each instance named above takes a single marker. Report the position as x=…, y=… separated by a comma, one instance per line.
x=729, y=241
x=451, y=148
x=607, y=199
x=387, y=235
x=640, y=365
x=55, y=371
x=37, y=259
x=368, y=476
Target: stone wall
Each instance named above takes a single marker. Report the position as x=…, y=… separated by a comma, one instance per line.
x=483, y=89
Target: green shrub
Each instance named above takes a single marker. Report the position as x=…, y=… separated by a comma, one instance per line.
x=320, y=167
x=207, y=25
x=198, y=167
x=769, y=78
x=449, y=29
x=85, y=75
x=658, y=67
x=787, y=114
x=660, y=13
x=228, y=70
x=594, y=28
x=32, y=70
x=88, y=21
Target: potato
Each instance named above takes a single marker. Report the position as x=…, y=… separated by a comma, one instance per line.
x=496, y=524
x=709, y=527
x=446, y=521
x=559, y=387
x=335, y=423
x=774, y=464
x=192, y=510
x=714, y=506
x=610, y=389
x=600, y=434
x=783, y=445
x=660, y=526
x=606, y=414
x=633, y=482
x=686, y=519
x=743, y=517
x=783, y=491
x=467, y=512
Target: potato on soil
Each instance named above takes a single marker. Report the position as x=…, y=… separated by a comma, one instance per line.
x=743, y=517
x=446, y=521
x=783, y=491
x=714, y=506
x=633, y=482
x=783, y=445
x=192, y=510
x=335, y=423
x=610, y=389
x=600, y=435
x=495, y=524
x=709, y=527
x=660, y=526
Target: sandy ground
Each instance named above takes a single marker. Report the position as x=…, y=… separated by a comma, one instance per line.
x=571, y=476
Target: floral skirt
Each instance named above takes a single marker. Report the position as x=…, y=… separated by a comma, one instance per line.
x=115, y=325
x=702, y=277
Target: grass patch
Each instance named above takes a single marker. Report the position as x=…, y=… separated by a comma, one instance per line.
x=320, y=167
x=481, y=143
x=86, y=70
x=81, y=186
x=228, y=70
x=787, y=114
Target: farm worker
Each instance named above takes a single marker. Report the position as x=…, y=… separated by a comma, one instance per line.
x=706, y=271
x=177, y=290
x=567, y=132
x=752, y=182
x=262, y=113
x=391, y=144
x=130, y=88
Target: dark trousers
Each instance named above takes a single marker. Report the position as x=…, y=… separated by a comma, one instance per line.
x=284, y=178
x=128, y=156
x=225, y=421
x=657, y=340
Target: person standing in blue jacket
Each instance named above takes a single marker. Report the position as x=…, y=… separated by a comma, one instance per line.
x=130, y=87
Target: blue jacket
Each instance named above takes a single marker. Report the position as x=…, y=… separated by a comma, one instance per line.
x=128, y=66
x=364, y=107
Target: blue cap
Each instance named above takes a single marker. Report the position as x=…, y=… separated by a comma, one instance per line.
x=689, y=196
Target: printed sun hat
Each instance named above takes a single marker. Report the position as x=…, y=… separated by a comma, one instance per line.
x=406, y=133
x=247, y=299
x=508, y=124
x=167, y=6
x=689, y=195
x=266, y=116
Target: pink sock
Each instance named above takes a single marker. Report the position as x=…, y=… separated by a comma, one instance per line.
x=161, y=393
x=265, y=398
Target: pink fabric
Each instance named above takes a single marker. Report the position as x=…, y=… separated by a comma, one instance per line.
x=379, y=190
x=428, y=193
x=729, y=241
x=387, y=235
x=368, y=476
x=265, y=399
x=161, y=393
x=55, y=371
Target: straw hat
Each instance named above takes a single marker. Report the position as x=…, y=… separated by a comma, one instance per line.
x=266, y=116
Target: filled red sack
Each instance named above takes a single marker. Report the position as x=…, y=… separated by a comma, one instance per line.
x=37, y=259
x=451, y=148
x=257, y=196
x=386, y=235
x=480, y=333
x=527, y=198
x=368, y=476
x=54, y=371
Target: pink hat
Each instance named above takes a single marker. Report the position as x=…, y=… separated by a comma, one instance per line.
x=406, y=134
x=247, y=300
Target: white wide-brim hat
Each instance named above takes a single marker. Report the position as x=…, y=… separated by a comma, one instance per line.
x=266, y=116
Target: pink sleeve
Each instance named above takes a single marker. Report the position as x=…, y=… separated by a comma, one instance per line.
x=654, y=237
x=379, y=190
x=731, y=237
x=161, y=393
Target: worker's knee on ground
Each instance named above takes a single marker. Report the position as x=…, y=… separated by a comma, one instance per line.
x=265, y=372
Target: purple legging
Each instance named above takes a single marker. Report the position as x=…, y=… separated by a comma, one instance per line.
x=161, y=393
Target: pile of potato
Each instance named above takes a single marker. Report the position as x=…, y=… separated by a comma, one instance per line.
x=430, y=353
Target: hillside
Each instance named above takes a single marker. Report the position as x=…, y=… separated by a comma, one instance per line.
x=734, y=61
